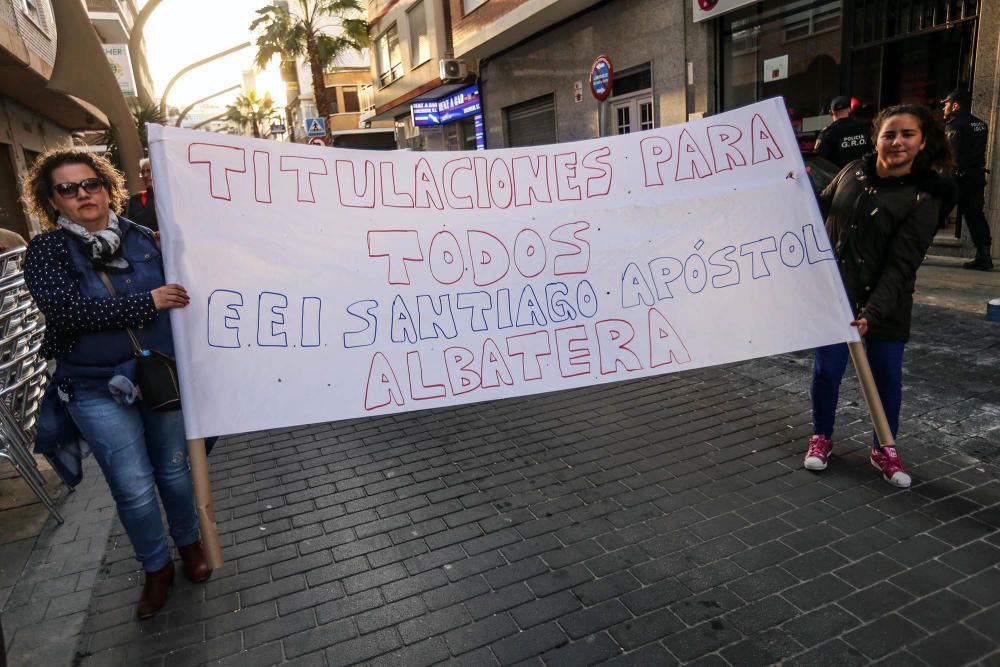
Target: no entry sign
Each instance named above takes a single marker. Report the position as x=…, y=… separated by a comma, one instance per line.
x=601, y=76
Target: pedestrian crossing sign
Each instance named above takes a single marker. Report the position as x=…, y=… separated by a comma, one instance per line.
x=316, y=127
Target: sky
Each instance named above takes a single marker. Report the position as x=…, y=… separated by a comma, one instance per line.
x=180, y=32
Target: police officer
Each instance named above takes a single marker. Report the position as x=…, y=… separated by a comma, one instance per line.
x=967, y=136
x=845, y=139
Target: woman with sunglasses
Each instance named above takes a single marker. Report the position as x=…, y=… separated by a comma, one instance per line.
x=881, y=215
x=92, y=394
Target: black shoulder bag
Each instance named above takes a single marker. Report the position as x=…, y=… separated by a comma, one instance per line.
x=156, y=372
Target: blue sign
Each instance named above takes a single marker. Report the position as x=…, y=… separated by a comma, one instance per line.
x=480, y=133
x=316, y=127
x=601, y=77
x=425, y=114
x=457, y=105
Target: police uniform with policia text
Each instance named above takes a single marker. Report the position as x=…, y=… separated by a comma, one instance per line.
x=968, y=135
x=845, y=139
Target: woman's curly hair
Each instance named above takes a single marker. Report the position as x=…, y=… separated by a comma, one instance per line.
x=37, y=184
x=936, y=154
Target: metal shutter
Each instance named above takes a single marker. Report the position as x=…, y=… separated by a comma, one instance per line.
x=532, y=123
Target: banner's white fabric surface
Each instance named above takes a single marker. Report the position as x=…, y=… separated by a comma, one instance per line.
x=329, y=283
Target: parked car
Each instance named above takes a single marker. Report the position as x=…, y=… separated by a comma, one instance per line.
x=821, y=171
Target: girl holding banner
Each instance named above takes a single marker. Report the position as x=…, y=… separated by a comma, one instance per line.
x=98, y=278
x=881, y=216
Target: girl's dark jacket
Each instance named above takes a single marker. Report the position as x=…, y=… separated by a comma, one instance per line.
x=880, y=229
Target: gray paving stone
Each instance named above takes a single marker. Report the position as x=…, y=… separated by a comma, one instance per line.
x=676, y=530
x=954, y=645
x=884, y=636
x=480, y=633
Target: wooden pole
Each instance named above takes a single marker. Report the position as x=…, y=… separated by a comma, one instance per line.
x=860, y=359
x=203, y=501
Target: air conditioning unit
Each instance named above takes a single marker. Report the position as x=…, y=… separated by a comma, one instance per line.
x=452, y=70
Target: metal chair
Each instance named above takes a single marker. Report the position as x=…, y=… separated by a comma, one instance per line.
x=22, y=374
x=19, y=404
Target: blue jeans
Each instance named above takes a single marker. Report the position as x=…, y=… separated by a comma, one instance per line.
x=140, y=450
x=886, y=360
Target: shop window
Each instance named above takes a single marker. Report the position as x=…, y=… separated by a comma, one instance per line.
x=351, y=103
x=787, y=48
x=420, y=45
x=745, y=41
x=387, y=51
x=469, y=5
x=813, y=21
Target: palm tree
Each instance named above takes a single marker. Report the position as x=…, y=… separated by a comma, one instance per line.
x=319, y=30
x=251, y=111
x=141, y=115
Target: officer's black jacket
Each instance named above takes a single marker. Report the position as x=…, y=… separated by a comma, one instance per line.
x=844, y=140
x=880, y=229
x=967, y=136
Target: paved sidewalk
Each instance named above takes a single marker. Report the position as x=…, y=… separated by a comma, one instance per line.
x=655, y=522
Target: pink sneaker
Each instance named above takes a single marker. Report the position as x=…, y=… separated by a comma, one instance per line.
x=819, y=452
x=887, y=460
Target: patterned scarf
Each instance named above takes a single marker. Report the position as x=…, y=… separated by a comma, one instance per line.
x=103, y=247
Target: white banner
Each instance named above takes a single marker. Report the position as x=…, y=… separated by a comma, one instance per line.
x=335, y=283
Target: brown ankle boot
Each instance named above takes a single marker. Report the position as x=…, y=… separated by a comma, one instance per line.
x=195, y=564
x=154, y=591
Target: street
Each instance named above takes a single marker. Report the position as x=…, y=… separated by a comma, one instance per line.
x=655, y=522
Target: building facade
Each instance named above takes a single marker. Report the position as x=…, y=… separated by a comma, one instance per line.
x=113, y=20
x=674, y=60
x=32, y=117
x=414, y=67
x=344, y=83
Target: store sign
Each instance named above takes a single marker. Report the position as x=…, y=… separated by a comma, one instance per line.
x=438, y=112
x=463, y=103
x=443, y=278
x=121, y=66
x=480, y=133
x=425, y=114
x=710, y=9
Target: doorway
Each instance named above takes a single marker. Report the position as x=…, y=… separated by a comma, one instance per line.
x=919, y=69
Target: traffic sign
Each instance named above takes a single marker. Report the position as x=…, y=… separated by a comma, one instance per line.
x=601, y=76
x=316, y=127
x=318, y=141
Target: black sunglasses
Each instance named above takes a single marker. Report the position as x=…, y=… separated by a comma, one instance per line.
x=69, y=188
